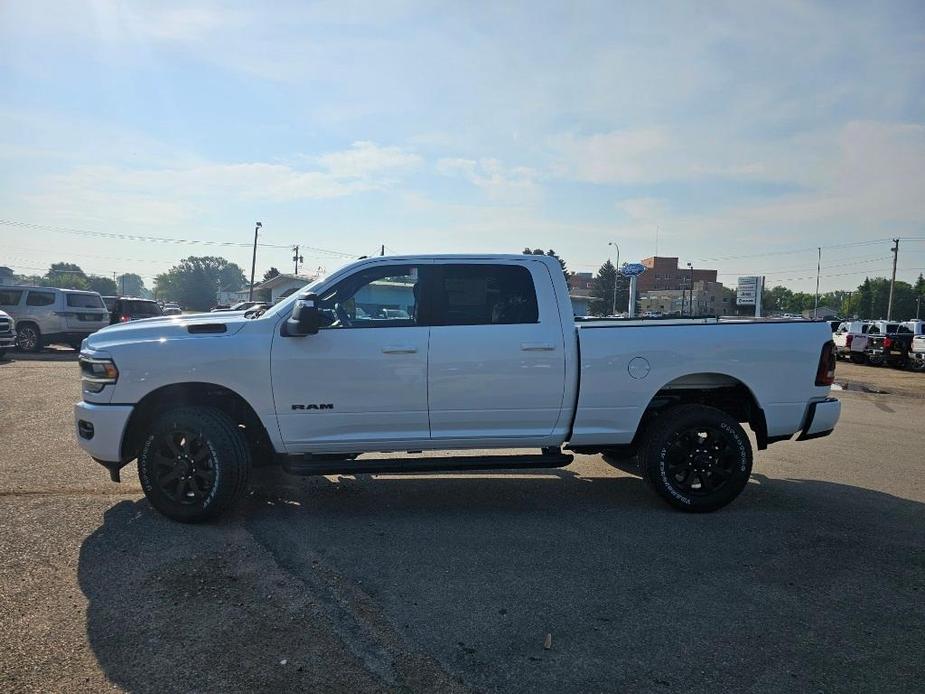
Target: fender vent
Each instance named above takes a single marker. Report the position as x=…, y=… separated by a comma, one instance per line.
x=200, y=328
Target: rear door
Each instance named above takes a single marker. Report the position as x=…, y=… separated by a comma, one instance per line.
x=496, y=358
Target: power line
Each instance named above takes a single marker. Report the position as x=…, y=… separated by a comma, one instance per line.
x=161, y=239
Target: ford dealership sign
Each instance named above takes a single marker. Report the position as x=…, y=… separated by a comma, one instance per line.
x=632, y=269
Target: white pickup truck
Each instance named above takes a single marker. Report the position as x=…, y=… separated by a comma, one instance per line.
x=427, y=353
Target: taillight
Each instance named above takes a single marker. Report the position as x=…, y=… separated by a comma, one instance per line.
x=825, y=374
x=887, y=342
x=849, y=340
x=123, y=319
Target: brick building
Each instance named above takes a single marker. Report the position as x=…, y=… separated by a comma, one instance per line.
x=664, y=273
x=710, y=299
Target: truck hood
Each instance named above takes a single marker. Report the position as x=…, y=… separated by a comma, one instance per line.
x=164, y=328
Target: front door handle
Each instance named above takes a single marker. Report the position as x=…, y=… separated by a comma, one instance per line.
x=399, y=349
x=537, y=346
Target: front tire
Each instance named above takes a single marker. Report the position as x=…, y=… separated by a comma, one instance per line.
x=194, y=464
x=29, y=338
x=697, y=458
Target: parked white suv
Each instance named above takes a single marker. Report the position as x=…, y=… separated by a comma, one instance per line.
x=7, y=334
x=45, y=315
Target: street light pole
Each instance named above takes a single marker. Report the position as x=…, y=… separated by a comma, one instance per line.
x=613, y=309
x=250, y=294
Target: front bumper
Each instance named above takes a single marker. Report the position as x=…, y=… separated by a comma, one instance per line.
x=821, y=418
x=100, y=429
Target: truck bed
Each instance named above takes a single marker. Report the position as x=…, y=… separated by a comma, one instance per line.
x=625, y=365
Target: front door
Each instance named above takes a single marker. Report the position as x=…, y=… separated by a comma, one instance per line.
x=363, y=379
x=497, y=355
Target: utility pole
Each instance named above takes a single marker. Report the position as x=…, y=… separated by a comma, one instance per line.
x=250, y=294
x=818, y=270
x=297, y=258
x=382, y=251
x=889, y=306
x=616, y=275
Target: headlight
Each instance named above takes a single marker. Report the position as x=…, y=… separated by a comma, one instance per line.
x=97, y=373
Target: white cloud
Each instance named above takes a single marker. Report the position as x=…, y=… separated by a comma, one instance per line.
x=366, y=158
x=505, y=184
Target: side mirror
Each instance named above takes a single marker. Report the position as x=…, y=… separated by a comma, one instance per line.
x=306, y=318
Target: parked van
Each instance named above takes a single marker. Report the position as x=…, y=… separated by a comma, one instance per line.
x=46, y=315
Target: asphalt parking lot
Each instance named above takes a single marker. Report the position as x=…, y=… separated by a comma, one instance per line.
x=813, y=580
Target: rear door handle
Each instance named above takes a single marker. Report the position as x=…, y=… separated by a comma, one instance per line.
x=537, y=346
x=399, y=349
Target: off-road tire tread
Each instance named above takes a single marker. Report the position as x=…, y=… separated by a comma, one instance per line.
x=234, y=459
x=661, y=427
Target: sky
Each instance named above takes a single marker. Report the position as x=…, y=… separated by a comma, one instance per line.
x=736, y=135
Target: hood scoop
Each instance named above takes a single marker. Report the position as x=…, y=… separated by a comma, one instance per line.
x=206, y=328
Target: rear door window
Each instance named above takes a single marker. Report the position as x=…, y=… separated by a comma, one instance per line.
x=84, y=301
x=141, y=308
x=483, y=294
x=10, y=297
x=40, y=299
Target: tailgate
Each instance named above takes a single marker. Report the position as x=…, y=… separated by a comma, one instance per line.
x=85, y=320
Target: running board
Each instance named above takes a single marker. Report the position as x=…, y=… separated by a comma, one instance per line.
x=305, y=465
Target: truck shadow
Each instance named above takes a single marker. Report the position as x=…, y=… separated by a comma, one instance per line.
x=47, y=354
x=413, y=582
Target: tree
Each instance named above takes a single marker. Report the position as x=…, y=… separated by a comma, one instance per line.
x=552, y=254
x=195, y=281
x=102, y=285
x=602, y=287
x=65, y=276
x=270, y=274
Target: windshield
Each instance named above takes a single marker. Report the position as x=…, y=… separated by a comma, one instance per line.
x=85, y=301
x=141, y=308
x=284, y=305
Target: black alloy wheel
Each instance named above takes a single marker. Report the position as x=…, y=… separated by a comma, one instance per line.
x=696, y=457
x=184, y=466
x=700, y=460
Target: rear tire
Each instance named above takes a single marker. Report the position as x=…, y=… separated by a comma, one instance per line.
x=875, y=361
x=194, y=464
x=29, y=338
x=917, y=365
x=858, y=359
x=696, y=457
